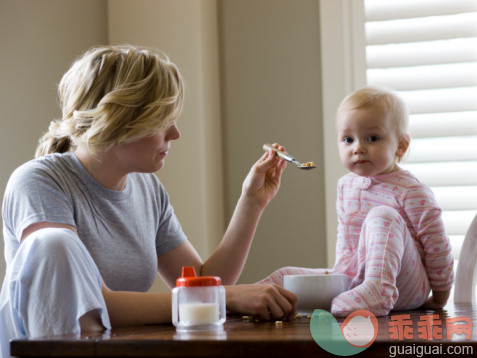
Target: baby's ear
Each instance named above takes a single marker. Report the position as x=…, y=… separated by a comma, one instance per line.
x=403, y=145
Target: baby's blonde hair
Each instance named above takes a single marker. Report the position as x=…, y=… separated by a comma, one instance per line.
x=112, y=95
x=381, y=98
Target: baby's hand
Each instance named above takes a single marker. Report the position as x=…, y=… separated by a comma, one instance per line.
x=437, y=300
x=430, y=304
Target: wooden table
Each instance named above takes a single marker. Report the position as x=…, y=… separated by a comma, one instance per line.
x=249, y=339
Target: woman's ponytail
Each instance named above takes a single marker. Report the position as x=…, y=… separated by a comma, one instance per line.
x=53, y=141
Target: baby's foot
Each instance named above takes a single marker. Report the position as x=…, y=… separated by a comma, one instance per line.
x=366, y=296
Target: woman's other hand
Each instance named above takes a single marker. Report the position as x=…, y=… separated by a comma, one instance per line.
x=267, y=301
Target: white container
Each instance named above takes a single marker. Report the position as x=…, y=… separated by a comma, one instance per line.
x=198, y=303
x=315, y=291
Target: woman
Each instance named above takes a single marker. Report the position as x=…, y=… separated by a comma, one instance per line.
x=87, y=224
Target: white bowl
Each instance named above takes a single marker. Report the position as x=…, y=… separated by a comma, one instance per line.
x=315, y=291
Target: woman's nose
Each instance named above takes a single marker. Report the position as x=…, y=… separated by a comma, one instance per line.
x=173, y=132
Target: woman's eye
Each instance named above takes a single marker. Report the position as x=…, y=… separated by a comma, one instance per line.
x=373, y=138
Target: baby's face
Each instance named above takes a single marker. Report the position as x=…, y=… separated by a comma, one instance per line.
x=367, y=142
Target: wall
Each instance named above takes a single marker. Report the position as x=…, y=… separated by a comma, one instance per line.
x=271, y=88
x=39, y=40
x=342, y=69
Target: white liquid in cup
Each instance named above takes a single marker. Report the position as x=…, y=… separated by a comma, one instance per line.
x=199, y=313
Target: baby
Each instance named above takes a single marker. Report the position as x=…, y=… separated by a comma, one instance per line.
x=391, y=240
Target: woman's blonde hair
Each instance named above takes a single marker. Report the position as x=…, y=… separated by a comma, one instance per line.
x=381, y=98
x=112, y=95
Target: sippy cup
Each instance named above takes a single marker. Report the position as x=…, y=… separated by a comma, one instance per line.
x=198, y=303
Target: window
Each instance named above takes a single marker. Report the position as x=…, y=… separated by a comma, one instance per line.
x=427, y=51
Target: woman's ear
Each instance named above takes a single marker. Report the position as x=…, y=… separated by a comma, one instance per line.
x=403, y=145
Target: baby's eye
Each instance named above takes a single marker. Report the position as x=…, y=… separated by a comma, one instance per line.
x=373, y=138
x=347, y=140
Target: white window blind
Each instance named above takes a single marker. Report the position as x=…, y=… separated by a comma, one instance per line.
x=427, y=51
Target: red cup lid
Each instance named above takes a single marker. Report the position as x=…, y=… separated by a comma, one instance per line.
x=189, y=279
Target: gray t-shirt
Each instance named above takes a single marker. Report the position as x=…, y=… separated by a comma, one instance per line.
x=124, y=231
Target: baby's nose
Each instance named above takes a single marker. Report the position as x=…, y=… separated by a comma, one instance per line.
x=359, y=147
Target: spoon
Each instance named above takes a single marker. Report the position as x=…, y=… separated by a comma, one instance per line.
x=289, y=158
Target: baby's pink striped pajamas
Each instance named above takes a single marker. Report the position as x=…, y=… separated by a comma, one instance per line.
x=391, y=243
